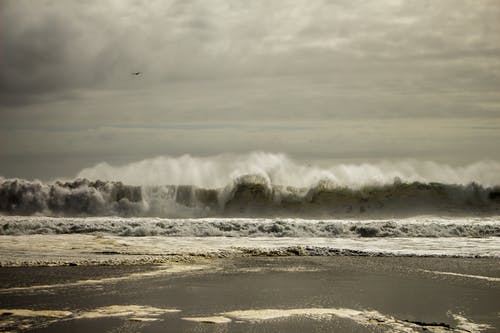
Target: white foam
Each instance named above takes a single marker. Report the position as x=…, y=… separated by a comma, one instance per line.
x=25, y=318
x=267, y=314
x=468, y=325
x=218, y=171
x=479, y=277
x=132, y=311
x=370, y=318
x=148, y=313
x=209, y=320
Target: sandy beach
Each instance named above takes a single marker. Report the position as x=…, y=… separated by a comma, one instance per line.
x=258, y=294
x=249, y=166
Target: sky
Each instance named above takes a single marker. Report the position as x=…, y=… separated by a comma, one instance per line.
x=321, y=81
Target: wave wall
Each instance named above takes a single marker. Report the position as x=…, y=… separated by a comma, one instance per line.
x=246, y=196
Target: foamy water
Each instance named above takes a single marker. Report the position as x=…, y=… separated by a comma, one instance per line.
x=421, y=226
x=109, y=249
x=143, y=313
x=95, y=239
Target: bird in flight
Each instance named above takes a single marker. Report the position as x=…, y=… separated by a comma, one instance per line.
x=136, y=73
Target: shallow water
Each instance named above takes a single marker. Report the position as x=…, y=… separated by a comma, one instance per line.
x=293, y=294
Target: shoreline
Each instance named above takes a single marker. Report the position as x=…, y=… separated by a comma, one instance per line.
x=105, y=249
x=138, y=260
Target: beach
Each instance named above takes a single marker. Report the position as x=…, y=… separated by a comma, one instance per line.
x=113, y=274
x=249, y=166
x=257, y=294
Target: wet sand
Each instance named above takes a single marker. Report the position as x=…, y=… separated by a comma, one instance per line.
x=260, y=294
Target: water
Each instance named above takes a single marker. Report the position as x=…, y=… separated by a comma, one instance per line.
x=88, y=239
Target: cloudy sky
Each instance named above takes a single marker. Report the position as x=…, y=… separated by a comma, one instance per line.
x=319, y=80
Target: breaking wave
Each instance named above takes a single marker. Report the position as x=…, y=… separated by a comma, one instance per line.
x=246, y=196
x=253, y=227
x=259, y=185
x=221, y=170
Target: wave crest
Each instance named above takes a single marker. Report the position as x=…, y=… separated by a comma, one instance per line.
x=279, y=169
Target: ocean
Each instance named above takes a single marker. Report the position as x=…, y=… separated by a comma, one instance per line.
x=400, y=218
x=197, y=230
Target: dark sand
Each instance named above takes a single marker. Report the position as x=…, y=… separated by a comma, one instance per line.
x=402, y=288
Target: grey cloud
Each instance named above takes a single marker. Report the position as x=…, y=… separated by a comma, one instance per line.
x=220, y=69
x=75, y=44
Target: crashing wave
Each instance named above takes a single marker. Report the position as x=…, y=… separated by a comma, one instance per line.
x=419, y=227
x=247, y=196
x=218, y=171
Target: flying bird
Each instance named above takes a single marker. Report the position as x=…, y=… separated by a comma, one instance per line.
x=136, y=73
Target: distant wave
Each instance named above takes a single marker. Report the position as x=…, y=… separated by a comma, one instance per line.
x=246, y=196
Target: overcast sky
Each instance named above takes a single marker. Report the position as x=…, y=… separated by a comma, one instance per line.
x=320, y=80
